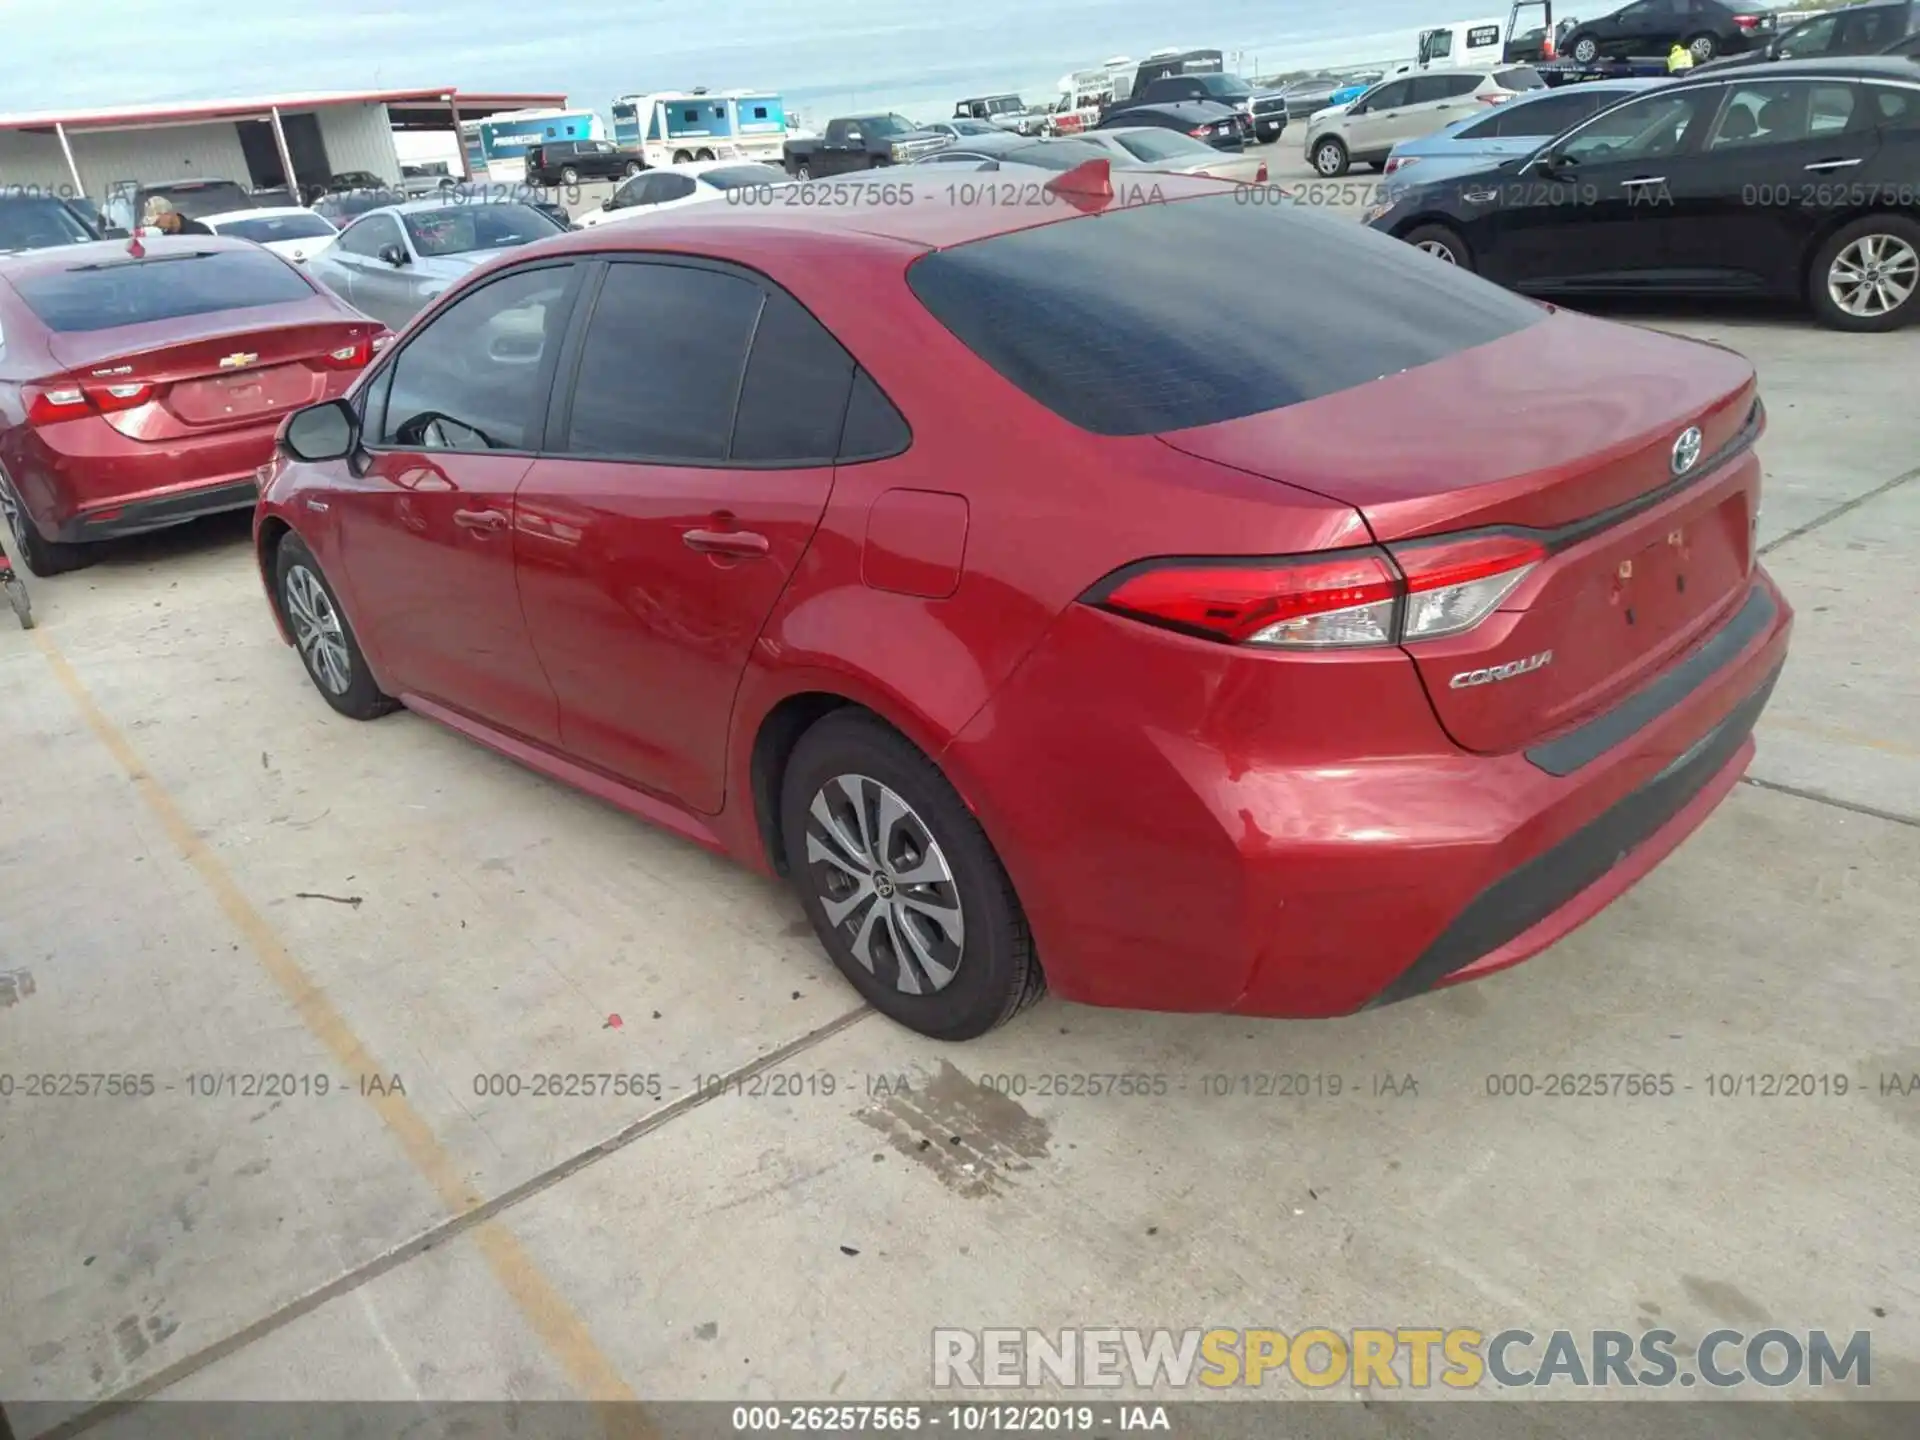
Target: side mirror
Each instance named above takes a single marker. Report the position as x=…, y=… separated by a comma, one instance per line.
x=393, y=255
x=328, y=431
x=607, y=204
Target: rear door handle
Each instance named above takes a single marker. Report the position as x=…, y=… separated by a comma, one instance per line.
x=1644, y=180
x=483, y=522
x=743, y=543
x=1832, y=164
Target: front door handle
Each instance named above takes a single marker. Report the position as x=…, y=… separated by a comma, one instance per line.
x=1644, y=180
x=1833, y=164
x=482, y=522
x=742, y=543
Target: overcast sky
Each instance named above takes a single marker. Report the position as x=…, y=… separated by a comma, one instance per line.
x=82, y=53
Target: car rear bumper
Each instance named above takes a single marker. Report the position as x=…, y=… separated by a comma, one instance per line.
x=84, y=480
x=1276, y=846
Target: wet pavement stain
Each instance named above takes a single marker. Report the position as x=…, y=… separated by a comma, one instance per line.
x=15, y=986
x=969, y=1136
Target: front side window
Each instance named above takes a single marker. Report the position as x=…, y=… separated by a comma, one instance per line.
x=1642, y=129
x=469, y=380
x=369, y=235
x=1813, y=38
x=660, y=371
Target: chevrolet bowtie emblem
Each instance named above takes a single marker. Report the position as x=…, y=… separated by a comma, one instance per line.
x=236, y=360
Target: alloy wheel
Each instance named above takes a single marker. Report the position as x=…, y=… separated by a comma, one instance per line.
x=1874, y=276
x=317, y=630
x=14, y=516
x=1440, y=250
x=883, y=882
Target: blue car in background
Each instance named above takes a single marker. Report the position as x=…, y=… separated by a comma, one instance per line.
x=1347, y=94
x=1518, y=127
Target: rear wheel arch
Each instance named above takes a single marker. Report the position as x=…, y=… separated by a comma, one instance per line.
x=773, y=745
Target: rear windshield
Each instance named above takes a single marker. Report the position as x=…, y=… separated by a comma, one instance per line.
x=1521, y=77
x=1164, y=145
x=1225, y=86
x=1088, y=318
x=276, y=227
x=33, y=223
x=193, y=201
x=461, y=229
x=169, y=287
x=734, y=177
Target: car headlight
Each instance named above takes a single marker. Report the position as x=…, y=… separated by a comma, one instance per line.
x=1374, y=211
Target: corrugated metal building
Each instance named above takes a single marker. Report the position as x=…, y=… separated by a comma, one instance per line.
x=254, y=142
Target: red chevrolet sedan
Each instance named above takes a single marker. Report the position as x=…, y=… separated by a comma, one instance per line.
x=141, y=383
x=1175, y=602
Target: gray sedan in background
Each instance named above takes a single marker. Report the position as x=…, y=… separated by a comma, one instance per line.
x=393, y=262
x=1153, y=147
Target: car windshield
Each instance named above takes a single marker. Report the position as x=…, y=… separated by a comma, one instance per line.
x=126, y=291
x=1224, y=85
x=266, y=228
x=735, y=177
x=37, y=222
x=884, y=125
x=1087, y=318
x=193, y=201
x=462, y=229
x=1164, y=145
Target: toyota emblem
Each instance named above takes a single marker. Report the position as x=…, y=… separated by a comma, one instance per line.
x=1686, y=450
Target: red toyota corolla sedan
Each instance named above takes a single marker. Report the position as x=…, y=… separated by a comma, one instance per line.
x=1204, y=606
x=141, y=383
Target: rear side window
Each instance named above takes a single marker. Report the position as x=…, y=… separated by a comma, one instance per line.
x=1087, y=318
x=794, y=398
x=660, y=372
x=139, y=292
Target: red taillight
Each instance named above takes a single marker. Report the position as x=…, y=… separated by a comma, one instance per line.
x=1497, y=97
x=1454, y=584
x=1344, y=598
x=1202, y=132
x=1340, y=600
x=1394, y=162
x=1746, y=22
x=348, y=357
x=51, y=404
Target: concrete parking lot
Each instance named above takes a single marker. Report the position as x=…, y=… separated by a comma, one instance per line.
x=206, y=873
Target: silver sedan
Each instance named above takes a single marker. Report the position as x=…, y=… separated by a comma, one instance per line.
x=1152, y=147
x=393, y=262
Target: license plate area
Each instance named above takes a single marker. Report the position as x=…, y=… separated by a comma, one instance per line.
x=242, y=396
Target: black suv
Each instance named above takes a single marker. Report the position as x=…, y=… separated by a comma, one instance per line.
x=1653, y=27
x=1874, y=28
x=568, y=162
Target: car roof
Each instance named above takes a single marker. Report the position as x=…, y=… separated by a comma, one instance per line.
x=1177, y=108
x=873, y=218
x=258, y=212
x=701, y=167
x=431, y=203
x=96, y=252
x=1839, y=67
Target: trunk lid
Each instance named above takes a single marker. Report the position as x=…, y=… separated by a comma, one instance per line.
x=1567, y=431
x=213, y=376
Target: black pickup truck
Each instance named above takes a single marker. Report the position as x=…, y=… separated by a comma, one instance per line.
x=860, y=142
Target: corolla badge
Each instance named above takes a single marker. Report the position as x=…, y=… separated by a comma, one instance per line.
x=1686, y=450
x=1487, y=674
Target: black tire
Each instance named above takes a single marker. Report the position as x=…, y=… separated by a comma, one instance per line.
x=994, y=973
x=1901, y=238
x=569, y=175
x=1584, y=49
x=803, y=171
x=703, y=155
x=38, y=554
x=1443, y=242
x=1330, y=158
x=630, y=169
x=17, y=598
x=683, y=157
x=360, y=698
x=1703, y=47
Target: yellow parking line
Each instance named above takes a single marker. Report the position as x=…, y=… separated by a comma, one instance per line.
x=560, y=1329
